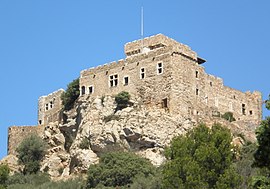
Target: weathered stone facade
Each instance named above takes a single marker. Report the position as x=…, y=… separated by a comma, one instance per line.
x=168, y=74
x=17, y=134
x=49, y=108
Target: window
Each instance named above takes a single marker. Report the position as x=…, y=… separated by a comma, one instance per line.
x=142, y=73
x=126, y=80
x=250, y=112
x=165, y=103
x=91, y=89
x=51, y=104
x=40, y=122
x=159, y=68
x=47, y=107
x=211, y=84
x=83, y=90
x=196, y=74
x=243, y=109
x=197, y=92
x=113, y=80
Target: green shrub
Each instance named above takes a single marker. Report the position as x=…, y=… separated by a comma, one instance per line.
x=228, y=116
x=110, y=118
x=85, y=143
x=71, y=94
x=118, y=169
x=4, y=173
x=122, y=100
x=30, y=152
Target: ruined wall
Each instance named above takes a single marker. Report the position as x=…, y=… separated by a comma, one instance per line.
x=16, y=134
x=49, y=107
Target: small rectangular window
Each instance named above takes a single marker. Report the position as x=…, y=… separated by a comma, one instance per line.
x=197, y=91
x=125, y=80
x=113, y=80
x=47, y=107
x=243, y=109
x=250, y=112
x=142, y=73
x=196, y=74
x=83, y=90
x=91, y=89
x=159, y=68
x=165, y=103
x=51, y=104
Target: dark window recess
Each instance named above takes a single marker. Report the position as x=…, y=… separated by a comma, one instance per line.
x=125, y=80
x=113, y=80
x=197, y=91
x=211, y=84
x=196, y=74
x=47, y=107
x=91, y=89
x=142, y=73
x=107, y=72
x=51, y=104
x=243, y=109
x=160, y=68
x=40, y=122
x=165, y=103
x=94, y=76
x=123, y=68
x=83, y=90
x=234, y=97
x=250, y=112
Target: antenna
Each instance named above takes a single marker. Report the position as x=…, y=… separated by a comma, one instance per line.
x=142, y=27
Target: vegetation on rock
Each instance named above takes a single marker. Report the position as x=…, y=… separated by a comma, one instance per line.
x=85, y=143
x=71, y=94
x=228, y=116
x=4, y=172
x=122, y=100
x=30, y=152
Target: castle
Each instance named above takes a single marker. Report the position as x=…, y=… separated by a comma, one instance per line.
x=162, y=73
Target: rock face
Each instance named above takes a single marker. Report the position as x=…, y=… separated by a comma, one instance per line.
x=93, y=128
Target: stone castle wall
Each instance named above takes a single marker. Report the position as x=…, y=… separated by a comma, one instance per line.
x=49, y=108
x=182, y=86
x=16, y=134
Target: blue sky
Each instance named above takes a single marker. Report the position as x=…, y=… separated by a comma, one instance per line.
x=45, y=44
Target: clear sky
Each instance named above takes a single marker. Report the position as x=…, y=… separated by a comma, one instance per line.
x=44, y=44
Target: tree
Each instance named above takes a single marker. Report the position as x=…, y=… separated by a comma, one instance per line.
x=228, y=116
x=30, y=152
x=201, y=159
x=71, y=94
x=4, y=173
x=118, y=169
x=122, y=100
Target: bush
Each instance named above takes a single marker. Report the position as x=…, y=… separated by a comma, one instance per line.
x=71, y=94
x=228, y=116
x=118, y=169
x=122, y=100
x=85, y=143
x=4, y=173
x=201, y=159
x=110, y=118
x=30, y=152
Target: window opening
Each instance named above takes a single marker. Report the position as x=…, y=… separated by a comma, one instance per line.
x=113, y=80
x=211, y=84
x=94, y=76
x=51, y=104
x=243, y=109
x=123, y=68
x=197, y=92
x=250, y=112
x=40, y=122
x=142, y=74
x=165, y=103
x=91, y=89
x=196, y=74
x=126, y=81
x=159, y=68
x=83, y=90
x=107, y=72
x=47, y=107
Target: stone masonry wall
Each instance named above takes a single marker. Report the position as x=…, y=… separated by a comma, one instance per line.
x=182, y=87
x=16, y=134
x=49, y=107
